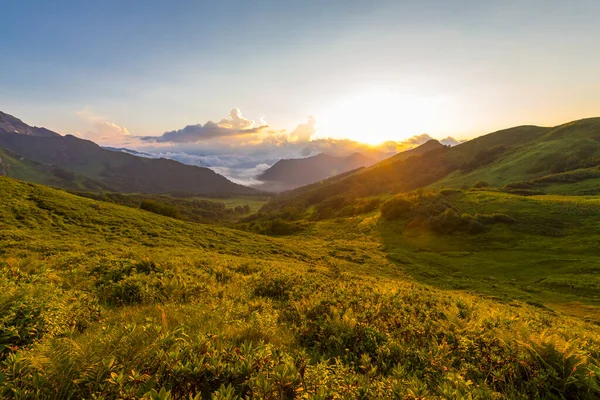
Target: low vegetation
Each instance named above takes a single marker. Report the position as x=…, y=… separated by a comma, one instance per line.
x=116, y=302
x=185, y=208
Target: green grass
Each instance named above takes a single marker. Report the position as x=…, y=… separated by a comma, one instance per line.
x=114, y=302
x=15, y=166
x=548, y=256
x=255, y=202
x=526, y=153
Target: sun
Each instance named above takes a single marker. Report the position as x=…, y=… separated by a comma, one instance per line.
x=377, y=116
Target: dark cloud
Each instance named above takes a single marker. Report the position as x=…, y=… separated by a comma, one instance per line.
x=234, y=125
x=199, y=132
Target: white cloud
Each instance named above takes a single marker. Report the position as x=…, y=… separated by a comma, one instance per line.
x=107, y=132
x=450, y=141
x=87, y=114
x=103, y=132
x=303, y=132
x=236, y=121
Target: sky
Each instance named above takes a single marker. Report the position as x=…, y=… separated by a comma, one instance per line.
x=370, y=71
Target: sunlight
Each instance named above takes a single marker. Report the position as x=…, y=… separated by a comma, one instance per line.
x=377, y=116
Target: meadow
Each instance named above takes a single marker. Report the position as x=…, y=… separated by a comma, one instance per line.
x=116, y=302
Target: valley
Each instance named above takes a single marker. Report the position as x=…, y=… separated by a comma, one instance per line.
x=441, y=272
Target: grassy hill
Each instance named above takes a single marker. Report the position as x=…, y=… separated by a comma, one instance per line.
x=114, y=302
x=525, y=153
x=514, y=157
x=18, y=167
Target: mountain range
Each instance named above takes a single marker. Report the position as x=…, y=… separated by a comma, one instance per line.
x=512, y=157
x=41, y=153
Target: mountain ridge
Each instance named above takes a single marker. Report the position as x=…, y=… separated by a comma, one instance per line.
x=118, y=170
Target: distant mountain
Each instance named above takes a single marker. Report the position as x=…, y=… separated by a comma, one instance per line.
x=292, y=173
x=117, y=170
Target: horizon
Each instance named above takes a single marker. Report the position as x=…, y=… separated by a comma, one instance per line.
x=370, y=73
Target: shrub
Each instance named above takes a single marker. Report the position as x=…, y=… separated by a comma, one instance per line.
x=449, y=191
x=395, y=208
x=481, y=185
x=161, y=209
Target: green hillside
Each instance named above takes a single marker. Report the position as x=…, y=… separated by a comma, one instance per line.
x=104, y=301
x=18, y=167
x=120, y=171
x=526, y=153
x=510, y=157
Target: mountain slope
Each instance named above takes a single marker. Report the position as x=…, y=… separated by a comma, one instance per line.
x=99, y=300
x=8, y=123
x=120, y=171
x=18, y=167
x=504, y=157
x=525, y=153
x=405, y=155
x=291, y=173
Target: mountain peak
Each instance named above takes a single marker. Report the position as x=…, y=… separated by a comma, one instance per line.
x=11, y=124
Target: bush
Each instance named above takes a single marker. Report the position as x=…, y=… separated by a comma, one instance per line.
x=449, y=191
x=395, y=208
x=161, y=209
x=481, y=185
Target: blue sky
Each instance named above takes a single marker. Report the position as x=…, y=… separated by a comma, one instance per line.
x=372, y=70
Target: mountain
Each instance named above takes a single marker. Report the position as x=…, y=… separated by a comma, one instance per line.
x=291, y=173
x=117, y=170
x=18, y=167
x=428, y=146
x=524, y=153
x=505, y=157
x=8, y=123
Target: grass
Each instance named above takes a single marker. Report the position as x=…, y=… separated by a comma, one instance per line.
x=255, y=202
x=525, y=153
x=115, y=302
x=546, y=257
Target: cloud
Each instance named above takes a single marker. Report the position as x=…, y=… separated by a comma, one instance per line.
x=243, y=176
x=106, y=132
x=103, y=131
x=241, y=149
x=236, y=121
x=450, y=141
x=419, y=139
x=303, y=132
x=87, y=114
x=232, y=126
